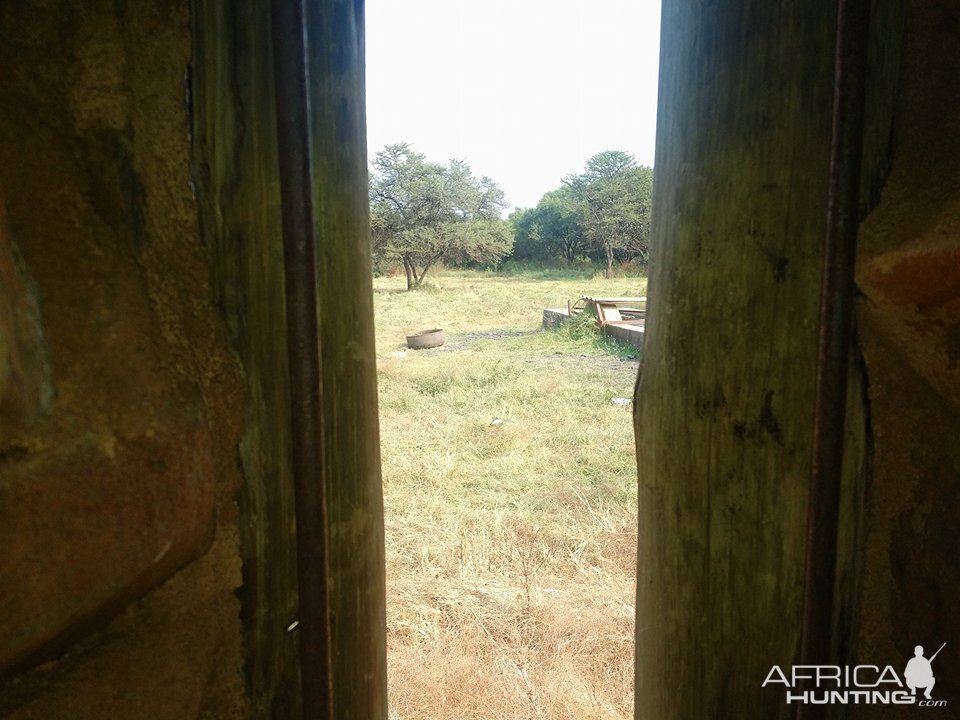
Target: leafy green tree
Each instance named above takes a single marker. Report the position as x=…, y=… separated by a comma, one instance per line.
x=480, y=242
x=421, y=212
x=524, y=245
x=640, y=185
x=552, y=229
x=614, y=195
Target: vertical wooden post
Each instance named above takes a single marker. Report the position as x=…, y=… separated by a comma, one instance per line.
x=351, y=464
x=725, y=396
x=236, y=172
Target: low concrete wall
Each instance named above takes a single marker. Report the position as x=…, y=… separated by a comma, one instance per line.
x=631, y=335
x=552, y=317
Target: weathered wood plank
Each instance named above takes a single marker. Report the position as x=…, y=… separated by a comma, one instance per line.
x=724, y=401
x=351, y=434
x=238, y=188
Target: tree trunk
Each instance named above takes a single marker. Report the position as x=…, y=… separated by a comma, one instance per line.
x=609, y=249
x=427, y=267
x=409, y=271
x=725, y=396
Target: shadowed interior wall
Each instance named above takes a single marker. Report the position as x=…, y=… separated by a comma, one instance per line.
x=120, y=404
x=908, y=269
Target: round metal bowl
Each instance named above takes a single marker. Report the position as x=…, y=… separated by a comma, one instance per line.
x=426, y=339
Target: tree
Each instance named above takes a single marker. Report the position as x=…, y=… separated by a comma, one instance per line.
x=553, y=228
x=640, y=185
x=421, y=212
x=614, y=195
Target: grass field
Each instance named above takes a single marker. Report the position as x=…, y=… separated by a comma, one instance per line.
x=509, y=483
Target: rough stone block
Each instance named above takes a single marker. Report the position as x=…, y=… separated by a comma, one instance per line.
x=109, y=518
x=25, y=387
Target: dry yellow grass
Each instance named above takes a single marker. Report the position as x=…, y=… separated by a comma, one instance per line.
x=509, y=483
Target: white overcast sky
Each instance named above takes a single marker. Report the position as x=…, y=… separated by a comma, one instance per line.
x=524, y=90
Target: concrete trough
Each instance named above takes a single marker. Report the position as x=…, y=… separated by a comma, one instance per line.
x=552, y=317
x=626, y=333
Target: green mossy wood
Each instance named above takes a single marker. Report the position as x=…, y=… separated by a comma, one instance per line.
x=236, y=176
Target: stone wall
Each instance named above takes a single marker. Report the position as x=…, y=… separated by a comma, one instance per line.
x=908, y=269
x=120, y=405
